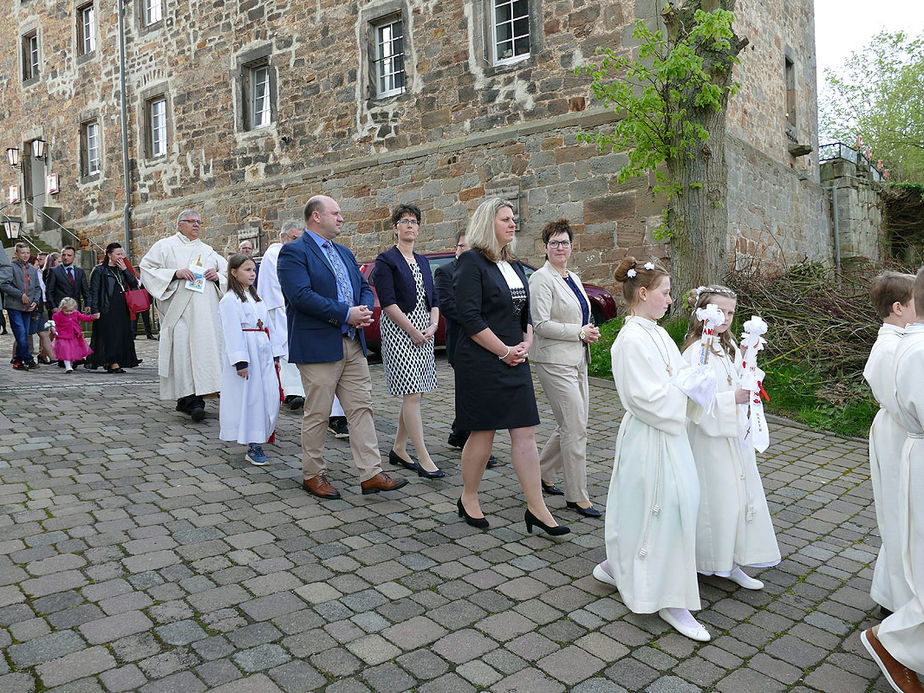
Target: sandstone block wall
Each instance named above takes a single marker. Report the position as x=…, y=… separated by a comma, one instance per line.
x=463, y=128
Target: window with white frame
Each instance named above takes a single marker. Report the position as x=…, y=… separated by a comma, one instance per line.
x=261, y=104
x=90, y=146
x=153, y=11
x=157, y=126
x=30, y=56
x=388, y=63
x=86, y=29
x=258, y=92
x=510, y=30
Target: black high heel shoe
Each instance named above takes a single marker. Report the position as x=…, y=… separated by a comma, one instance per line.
x=435, y=474
x=401, y=462
x=531, y=520
x=479, y=522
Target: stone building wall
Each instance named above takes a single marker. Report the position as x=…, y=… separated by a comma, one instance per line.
x=463, y=128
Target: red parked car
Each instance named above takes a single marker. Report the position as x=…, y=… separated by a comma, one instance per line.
x=602, y=304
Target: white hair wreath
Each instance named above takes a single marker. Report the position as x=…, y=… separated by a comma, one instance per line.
x=631, y=274
x=649, y=265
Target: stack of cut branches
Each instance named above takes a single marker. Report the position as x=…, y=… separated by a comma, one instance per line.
x=821, y=322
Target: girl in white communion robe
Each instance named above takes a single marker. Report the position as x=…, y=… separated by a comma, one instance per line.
x=733, y=528
x=654, y=491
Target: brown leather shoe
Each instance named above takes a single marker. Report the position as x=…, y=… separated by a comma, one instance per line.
x=320, y=487
x=381, y=482
x=900, y=677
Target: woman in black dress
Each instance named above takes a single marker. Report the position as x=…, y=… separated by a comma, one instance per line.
x=112, y=341
x=494, y=388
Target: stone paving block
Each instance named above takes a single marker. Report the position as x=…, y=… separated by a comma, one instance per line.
x=570, y=665
x=336, y=662
x=217, y=672
x=297, y=676
x=115, y=627
x=373, y=649
x=388, y=678
x=55, y=582
x=748, y=681
x=598, y=685
x=183, y=681
x=528, y=681
x=505, y=626
x=414, y=632
x=463, y=645
x=127, y=678
x=75, y=665
x=45, y=649
x=180, y=633
x=261, y=657
x=672, y=684
x=423, y=664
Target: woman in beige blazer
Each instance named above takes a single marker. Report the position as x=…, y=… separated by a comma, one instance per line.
x=562, y=327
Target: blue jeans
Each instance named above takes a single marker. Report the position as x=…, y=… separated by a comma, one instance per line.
x=20, y=322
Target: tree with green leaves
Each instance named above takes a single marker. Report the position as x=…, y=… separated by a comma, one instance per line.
x=878, y=94
x=672, y=92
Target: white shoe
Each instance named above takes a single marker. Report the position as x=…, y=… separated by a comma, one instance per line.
x=68, y=370
x=683, y=622
x=603, y=576
x=739, y=577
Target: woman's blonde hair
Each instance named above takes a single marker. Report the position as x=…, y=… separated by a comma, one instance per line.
x=481, y=234
x=67, y=302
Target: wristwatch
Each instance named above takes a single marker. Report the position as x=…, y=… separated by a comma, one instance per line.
x=582, y=334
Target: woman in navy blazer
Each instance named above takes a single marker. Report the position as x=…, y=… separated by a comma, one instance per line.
x=494, y=388
x=410, y=317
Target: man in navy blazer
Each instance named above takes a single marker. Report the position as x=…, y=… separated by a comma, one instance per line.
x=328, y=302
x=67, y=281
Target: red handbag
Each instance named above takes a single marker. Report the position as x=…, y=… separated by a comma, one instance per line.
x=137, y=300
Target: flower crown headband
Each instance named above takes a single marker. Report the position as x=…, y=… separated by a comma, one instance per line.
x=713, y=291
x=632, y=274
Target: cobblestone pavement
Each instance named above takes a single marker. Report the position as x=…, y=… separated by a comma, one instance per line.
x=140, y=553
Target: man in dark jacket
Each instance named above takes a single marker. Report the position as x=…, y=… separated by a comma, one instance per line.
x=443, y=277
x=67, y=281
x=21, y=297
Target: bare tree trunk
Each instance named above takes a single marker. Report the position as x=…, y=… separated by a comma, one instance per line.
x=698, y=214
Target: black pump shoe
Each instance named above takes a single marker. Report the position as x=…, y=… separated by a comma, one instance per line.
x=531, y=520
x=479, y=522
x=435, y=474
x=551, y=490
x=586, y=512
x=401, y=462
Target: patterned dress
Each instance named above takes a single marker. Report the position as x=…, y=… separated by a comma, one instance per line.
x=409, y=368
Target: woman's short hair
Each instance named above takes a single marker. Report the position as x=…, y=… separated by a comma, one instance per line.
x=403, y=209
x=634, y=275
x=888, y=288
x=553, y=228
x=480, y=233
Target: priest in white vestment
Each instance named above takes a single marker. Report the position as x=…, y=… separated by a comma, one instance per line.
x=190, y=327
x=897, y=644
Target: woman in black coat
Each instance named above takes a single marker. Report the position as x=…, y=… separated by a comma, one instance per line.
x=112, y=342
x=494, y=388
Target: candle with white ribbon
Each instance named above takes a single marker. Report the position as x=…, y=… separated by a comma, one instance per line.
x=756, y=433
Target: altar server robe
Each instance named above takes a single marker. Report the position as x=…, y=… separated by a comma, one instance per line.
x=650, y=525
x=269, y=290
x=733, y=525
x=886, y=438
x=902, y=633
x=189, y=351
x=249, y=407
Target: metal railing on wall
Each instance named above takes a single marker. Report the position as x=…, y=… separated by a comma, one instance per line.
x=78, y=239
x=839, y=150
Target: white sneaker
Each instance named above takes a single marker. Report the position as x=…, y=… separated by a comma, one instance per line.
x=739, y=577
x=683, y=622
x=603, y=576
